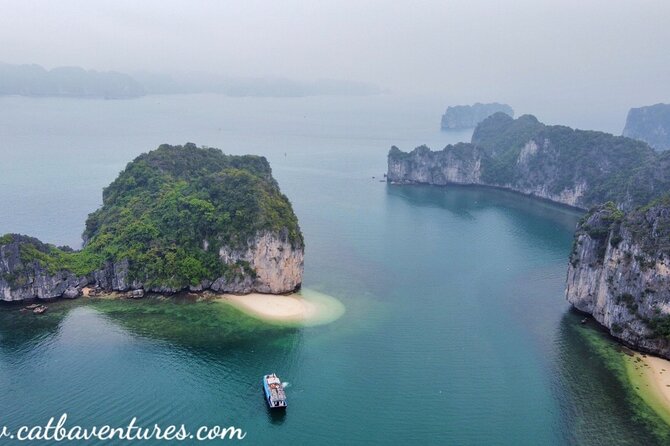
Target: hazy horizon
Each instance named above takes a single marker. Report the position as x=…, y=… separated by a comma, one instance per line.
x=566, y=61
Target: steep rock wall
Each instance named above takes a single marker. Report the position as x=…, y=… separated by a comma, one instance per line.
x=619, y=272
x=275, y=266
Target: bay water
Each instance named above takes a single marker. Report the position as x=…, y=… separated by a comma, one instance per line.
x=456, y=329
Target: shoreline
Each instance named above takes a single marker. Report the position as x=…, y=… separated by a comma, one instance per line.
x=305, y=307
x=560, y=204
x=650, y=378
x=644, y=378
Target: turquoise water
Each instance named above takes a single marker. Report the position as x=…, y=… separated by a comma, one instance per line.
x=456, y=330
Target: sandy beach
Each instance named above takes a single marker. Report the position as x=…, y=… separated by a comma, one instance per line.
x=658, y=374
x=650, y=375
x=306, y=307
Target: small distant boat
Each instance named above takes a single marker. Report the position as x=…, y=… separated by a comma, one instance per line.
x=40, y=309
x=274, y=392
x=32, y=306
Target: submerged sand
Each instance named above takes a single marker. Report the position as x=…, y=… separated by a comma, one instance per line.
x=650, y=376
x=307, y=307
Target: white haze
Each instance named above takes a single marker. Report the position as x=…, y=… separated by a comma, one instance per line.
x=581, y=63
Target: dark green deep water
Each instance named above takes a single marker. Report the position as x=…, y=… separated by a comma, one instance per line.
x=456, y=329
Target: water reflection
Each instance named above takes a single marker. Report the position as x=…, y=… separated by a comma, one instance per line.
x=276, y=417
x=466, y=202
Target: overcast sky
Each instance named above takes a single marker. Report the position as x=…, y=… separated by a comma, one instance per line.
x=610, y=52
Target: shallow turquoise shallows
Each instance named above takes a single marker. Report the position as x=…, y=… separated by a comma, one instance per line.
x=456, y=330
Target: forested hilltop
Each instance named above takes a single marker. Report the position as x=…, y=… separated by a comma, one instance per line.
x=579, y=168
x=179, y=217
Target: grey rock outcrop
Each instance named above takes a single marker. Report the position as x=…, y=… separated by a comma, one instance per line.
x=21, y=280
x=619, y=272
x=274, y=266
x=650, y=124
x=277, y=265
x=458, y=164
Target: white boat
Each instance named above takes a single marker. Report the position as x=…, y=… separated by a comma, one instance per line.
x=274, y=392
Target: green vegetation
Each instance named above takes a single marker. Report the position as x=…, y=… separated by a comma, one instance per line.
x=628, y=300
x=614, y=168
x=608, y=220
x=396, y=153
x=576, y=167
x=170, y=211
x=659, y=326
x=600, y=224
x=649, y=226
x=646, y=408
x=500, y=133
x=51, y=258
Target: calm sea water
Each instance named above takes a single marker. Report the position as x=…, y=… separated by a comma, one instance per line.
x=456, y=329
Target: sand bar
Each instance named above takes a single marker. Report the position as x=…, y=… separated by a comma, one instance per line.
x=307, y=307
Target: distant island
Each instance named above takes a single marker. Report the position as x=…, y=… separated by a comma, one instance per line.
x=578, y=168
x=176, y=218
x=469, y=116
x=650, y=124
x=34, y=80
x=619, y=272
x=196, y=83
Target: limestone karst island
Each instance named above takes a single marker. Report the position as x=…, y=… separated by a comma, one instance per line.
x=178, y=218
x=577, y=168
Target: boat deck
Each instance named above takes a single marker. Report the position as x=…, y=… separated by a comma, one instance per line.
x=274, y=391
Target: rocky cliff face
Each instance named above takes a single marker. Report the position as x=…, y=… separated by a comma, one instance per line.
x=277, y=265
x=573, y=167
x=462, y=164
x=268, y=264
x=619, y=272
x=455, y=164
x=468, y=116
x=650, y=124
x=21, y=280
